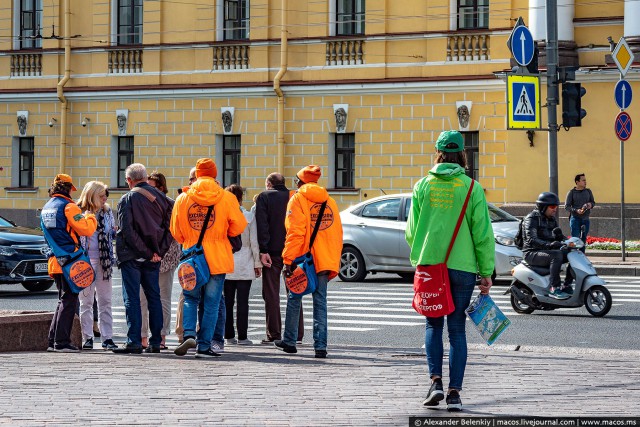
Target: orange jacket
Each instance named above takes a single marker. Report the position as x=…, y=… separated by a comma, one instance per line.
x=84, y=225
x=226, y=220
x=302, y=212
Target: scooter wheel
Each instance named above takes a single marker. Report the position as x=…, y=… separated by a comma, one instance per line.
x=597, y=300
x=520, y=307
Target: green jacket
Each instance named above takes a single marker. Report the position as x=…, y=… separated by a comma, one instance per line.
x=435, y=207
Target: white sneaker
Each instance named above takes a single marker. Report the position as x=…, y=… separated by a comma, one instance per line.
x=245, y=342
x=217, y=347
x=231, y=341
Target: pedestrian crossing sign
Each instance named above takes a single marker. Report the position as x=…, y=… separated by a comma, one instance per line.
x=523, y=102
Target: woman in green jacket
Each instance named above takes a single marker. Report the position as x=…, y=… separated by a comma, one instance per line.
x=435, y=207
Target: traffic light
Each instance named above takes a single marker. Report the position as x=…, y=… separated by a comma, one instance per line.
x=572, y=112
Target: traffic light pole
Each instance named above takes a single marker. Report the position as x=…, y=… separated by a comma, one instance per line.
x=552, y=91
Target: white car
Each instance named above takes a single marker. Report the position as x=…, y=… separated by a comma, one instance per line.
x=374, y=239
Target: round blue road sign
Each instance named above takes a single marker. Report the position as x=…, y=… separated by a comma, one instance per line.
x=623, y=94
x=522, y=45
x=623, y=126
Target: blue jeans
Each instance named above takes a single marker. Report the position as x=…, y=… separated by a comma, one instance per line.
x=211, y=294
x=462, y=284
x=134, y=275
x=319, y=316
x=218, y=333
x=576, y=224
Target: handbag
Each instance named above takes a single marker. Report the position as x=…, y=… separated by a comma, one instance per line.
x=431, y=287
x=304, y=279
x=193, y=270
x=76, y=266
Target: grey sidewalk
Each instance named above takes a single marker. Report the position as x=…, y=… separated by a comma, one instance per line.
x=260, y=386
x=610, y=263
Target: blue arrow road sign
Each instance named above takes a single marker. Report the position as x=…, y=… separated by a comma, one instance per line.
x=623, y=126
x=623, y=94
x=522, y=45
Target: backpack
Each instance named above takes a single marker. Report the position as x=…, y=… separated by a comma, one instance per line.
x=519, y=239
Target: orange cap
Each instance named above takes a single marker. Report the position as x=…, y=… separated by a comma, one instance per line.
x=309, y=173
x=206, y=167
x=63, y=177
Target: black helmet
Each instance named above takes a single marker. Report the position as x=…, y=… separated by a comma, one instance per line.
x=545, y=199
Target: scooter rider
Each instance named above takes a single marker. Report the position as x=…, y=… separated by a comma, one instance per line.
x=541, y=248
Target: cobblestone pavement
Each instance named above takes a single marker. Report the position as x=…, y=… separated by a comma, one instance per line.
x=260, y=386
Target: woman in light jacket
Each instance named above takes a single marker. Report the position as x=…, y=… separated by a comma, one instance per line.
x=247, y=267
x=99, y=247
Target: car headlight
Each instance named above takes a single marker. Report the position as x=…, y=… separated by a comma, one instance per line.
x=505, y=241
x=7, y=251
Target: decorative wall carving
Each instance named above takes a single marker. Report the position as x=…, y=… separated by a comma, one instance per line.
x=23, y=120
x=341, y=112
x=122, y=116
x=227, y=119
x=463, y=111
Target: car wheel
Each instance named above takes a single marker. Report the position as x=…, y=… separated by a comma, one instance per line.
x=352, y=267
x=38, y=286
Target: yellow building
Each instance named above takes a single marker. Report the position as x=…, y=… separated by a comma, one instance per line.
x=361, y=89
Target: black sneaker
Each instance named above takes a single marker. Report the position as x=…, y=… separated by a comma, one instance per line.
x=285, y=347
x=88, y=344
x=454, y=403
x=206, y=354
x=182, y=349
x=66, y=349
x=127, y=350
x=436, y=393
x=109, y=344
x=152, y=349
x=321, y=354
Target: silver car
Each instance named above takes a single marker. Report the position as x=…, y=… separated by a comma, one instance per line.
x=374, y=239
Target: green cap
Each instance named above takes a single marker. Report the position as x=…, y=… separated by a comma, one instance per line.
x=450, y=141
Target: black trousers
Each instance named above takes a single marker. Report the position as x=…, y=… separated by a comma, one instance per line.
x=242, y=289
x=62, y=322
x=271, y=296
x=551, y=258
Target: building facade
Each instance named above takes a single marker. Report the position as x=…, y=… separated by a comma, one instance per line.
x=360, y=88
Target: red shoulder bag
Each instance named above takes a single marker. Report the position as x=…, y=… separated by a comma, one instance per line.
x=432, y=291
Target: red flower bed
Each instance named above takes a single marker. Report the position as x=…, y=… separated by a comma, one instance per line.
x=591, y=240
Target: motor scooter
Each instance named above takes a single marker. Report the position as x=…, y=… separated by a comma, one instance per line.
x=530, y=286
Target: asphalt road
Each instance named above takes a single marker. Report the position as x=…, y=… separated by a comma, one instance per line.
x=377, y=312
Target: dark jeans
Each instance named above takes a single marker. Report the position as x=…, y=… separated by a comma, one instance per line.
x=62, y=322
x=462, y=285
x=552, y=259
x=242, y=288
x=576, y=225
x=271, y=296
x=134, y=275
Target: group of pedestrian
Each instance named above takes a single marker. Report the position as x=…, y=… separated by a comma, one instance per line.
x=150, y=232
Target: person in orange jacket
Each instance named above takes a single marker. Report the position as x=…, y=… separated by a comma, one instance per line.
x=64, y=222
x=302, y=214
x=187, y=221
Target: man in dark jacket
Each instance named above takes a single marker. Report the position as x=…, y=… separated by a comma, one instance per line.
x=271, y=210
x=579, y=204
x=541, y=245
x=144, y=215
